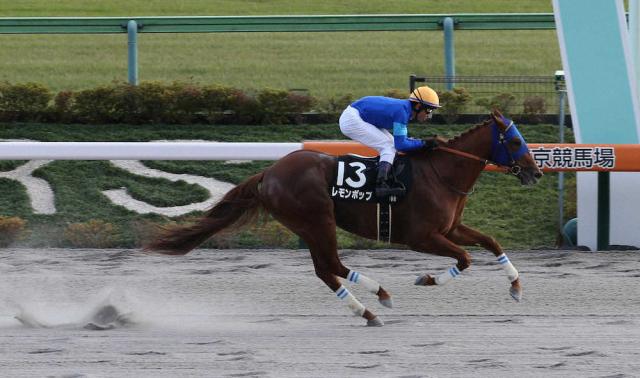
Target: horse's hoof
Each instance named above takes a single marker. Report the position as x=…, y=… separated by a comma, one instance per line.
x=425, y=280
x=516, y=293
x=375, y=322
x=386, y=302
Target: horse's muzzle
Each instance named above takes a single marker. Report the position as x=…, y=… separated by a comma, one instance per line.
x=529, y=177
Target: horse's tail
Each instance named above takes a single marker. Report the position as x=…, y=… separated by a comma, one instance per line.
x=239, y=207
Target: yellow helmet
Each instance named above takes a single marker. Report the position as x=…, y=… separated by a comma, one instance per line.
x=426, y=96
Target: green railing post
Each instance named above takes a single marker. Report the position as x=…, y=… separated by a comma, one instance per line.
x=603, y=211
x=561, y=89
x=449, y=52
x=132, y=36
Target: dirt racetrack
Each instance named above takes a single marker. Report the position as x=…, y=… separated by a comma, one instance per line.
x=264, y=313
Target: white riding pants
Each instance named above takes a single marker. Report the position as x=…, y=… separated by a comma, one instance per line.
x=353, y=126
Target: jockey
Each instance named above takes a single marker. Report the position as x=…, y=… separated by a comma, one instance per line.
x=369, y=120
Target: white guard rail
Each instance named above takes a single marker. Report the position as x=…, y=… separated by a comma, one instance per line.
x=144, y=150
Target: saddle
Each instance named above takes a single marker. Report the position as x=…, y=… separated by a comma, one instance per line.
x=355, y=179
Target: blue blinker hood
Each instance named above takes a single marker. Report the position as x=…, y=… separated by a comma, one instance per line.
x=499, y=151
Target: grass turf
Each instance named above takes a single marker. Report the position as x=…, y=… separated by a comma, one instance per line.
x=31, y=8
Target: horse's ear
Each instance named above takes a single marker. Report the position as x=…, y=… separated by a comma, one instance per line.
x=493, y=115
x=498, y=119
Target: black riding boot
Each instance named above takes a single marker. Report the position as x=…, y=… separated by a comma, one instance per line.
x=383, y=189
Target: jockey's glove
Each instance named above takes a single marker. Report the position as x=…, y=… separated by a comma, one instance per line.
x=430, y=143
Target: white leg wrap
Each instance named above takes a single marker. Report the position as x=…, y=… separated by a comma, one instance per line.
x=512, y=273
x=352, y=302
x=447, y=276
x=365, y=281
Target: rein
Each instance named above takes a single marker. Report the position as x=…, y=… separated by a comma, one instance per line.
x=512, y=168
x=470, y=156
x=463, y=154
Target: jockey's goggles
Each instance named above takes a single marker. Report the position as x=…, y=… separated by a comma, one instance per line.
x=428, y=109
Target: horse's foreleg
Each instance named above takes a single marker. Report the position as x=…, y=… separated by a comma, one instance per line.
x=439, y=245
x=465, y=235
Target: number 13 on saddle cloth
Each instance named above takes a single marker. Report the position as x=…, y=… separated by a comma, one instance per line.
x=355, y=178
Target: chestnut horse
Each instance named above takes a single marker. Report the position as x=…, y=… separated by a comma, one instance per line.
x=429, y=219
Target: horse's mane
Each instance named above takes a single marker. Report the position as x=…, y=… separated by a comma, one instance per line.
x=454, y=142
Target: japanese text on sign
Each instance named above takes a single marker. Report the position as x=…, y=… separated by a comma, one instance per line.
x=574, y=157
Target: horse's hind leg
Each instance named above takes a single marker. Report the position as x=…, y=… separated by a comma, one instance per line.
x=326, y=267
x=371, y=285
x=465, y=235
x=335, y=266
x=320, y=236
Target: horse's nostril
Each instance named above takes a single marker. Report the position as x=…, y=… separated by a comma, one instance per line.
x=538, y=174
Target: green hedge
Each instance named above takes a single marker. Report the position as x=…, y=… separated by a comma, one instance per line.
x=24, y=102
x=151, y=102
x=188, y=103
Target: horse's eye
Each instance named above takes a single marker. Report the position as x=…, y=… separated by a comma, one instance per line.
x=516, y=142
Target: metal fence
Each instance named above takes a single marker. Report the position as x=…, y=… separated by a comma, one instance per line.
x=298, y=23
x=510, y=93
x=328, y=23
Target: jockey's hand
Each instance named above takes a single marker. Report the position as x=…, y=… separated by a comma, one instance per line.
x=430, y=143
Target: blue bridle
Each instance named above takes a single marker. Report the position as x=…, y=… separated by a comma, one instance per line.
x=500, y=153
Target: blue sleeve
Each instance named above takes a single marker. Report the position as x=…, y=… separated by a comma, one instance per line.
x=401, y=141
